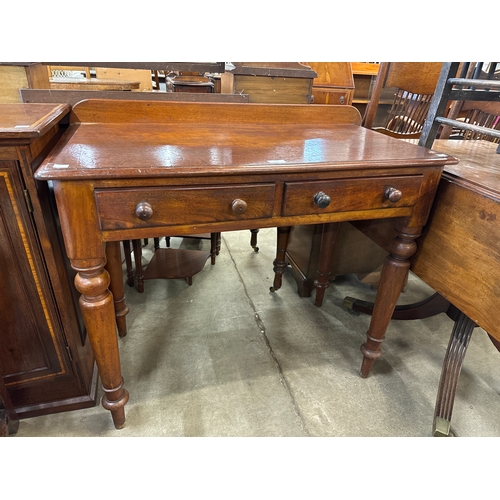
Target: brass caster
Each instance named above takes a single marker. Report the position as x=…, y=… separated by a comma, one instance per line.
x=255, y=249
x=441, y=427
x=348, y=305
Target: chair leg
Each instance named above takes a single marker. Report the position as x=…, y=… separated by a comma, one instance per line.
x=452, y=365
x=139, y=274
x=217, y=248
x=156, y=243
x=214, y=237
x=253, y=239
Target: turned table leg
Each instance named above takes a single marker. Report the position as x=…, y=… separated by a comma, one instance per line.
x=322, y=282
x=279, y=262
x=114, y=268
x=452, y=366
x=392, y=280
x=96, y=303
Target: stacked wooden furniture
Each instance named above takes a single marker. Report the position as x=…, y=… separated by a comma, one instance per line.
x=146, y=74
x=279, y=83
x=46, y=362
x=334, y=83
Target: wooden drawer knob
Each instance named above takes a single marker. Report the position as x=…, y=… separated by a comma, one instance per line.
x=144, y=210
x=393, y=194
x=238, y=206
x=321, y=199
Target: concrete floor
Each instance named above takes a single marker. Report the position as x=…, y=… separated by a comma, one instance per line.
x=225, y=357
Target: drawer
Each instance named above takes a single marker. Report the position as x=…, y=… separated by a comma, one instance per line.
x=348, y=195
x=148, y=207
x=325, y=95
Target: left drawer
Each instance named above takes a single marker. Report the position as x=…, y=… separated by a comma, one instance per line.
x=127, y=208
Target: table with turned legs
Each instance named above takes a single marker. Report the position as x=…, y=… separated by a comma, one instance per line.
x=133, y=169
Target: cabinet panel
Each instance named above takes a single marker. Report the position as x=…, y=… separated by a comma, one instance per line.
x=29, y=348
x=46, y=362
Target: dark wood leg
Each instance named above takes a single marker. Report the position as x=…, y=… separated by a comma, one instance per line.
x=167, y=241
x=114, y=268
x=435, y=304
x=128, y=261
x=156, y=243
x=139, y=273
x=322, y=282
x=452, y=365
x=96, y=303
x=9, y=421
x=213, y=247
x=217, y=247
x=392, y=280
x=280, y=260
x=253, y=239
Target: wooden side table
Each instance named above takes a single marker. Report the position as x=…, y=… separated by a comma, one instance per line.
x=216, y=167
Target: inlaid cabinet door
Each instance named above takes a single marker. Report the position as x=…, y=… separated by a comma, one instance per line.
x=31, y=347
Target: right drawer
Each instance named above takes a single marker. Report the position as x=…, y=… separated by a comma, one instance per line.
x=347, y=195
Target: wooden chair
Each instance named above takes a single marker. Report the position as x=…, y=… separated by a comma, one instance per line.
x=476, y=113
x=401, y=98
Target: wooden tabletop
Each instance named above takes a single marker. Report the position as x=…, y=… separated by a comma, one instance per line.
x=479, y=163
x=213, y=139
x=29, y=120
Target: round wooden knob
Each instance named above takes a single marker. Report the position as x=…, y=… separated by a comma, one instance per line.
x=144, y=210
x=321, y=199
x=239, y=206
x=393, y=194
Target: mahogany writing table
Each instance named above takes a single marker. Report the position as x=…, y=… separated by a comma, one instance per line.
x=136, y=169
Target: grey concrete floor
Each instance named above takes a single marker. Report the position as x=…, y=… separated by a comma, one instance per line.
x=225, y=357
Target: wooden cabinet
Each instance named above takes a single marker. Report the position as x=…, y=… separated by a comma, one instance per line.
x=334, y=83
x=46, y=362
x=281, y=83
